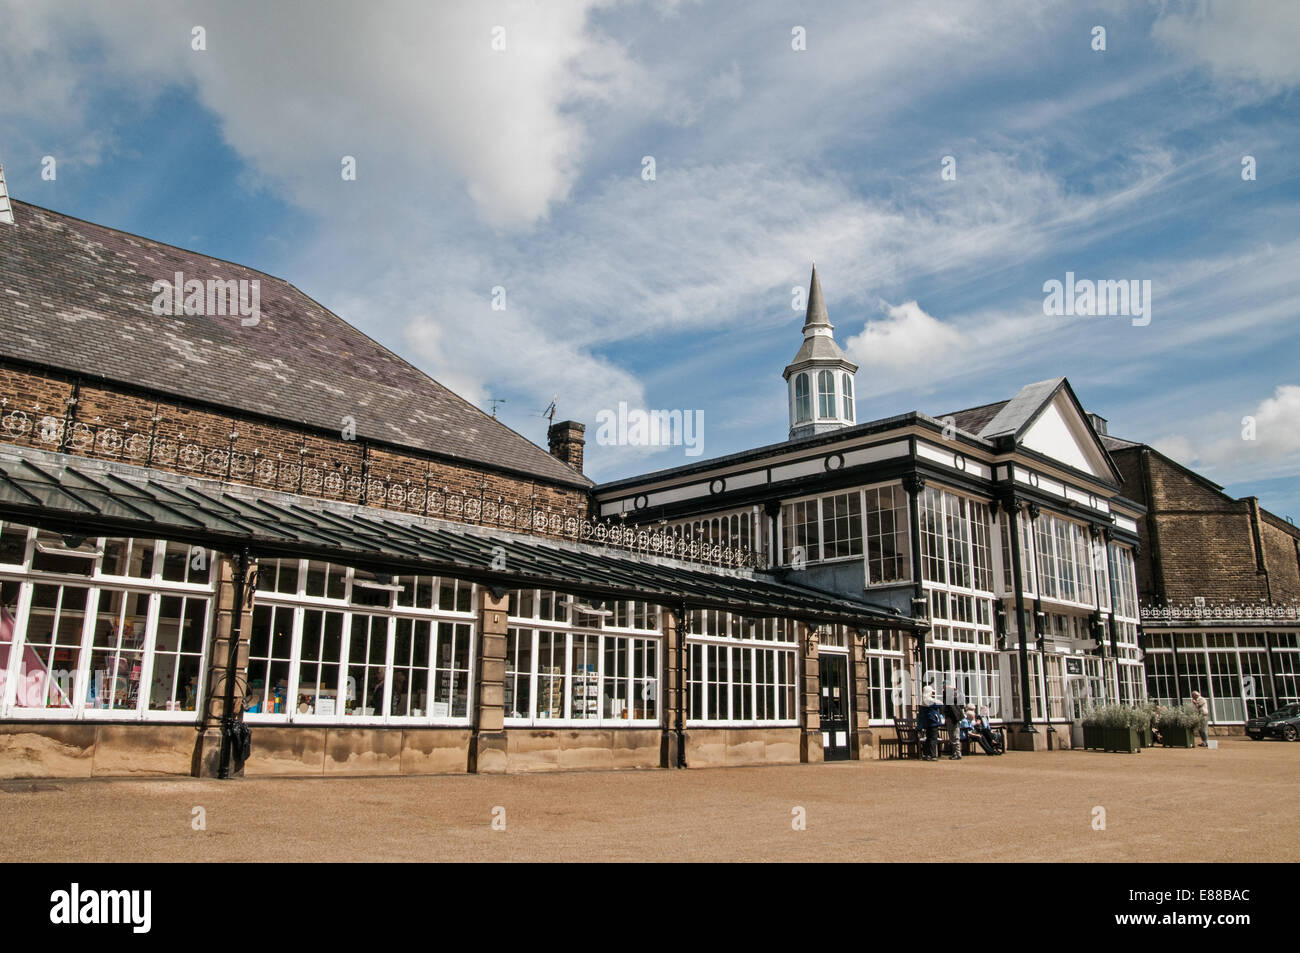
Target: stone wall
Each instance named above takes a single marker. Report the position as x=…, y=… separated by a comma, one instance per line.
x=726, y=747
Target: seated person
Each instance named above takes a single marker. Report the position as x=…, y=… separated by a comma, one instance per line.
x=982, y=731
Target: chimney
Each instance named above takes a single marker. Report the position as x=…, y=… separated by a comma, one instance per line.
x=1098, y=423
x=566, y=441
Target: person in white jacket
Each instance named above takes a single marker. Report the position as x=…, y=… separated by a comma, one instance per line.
x=1203, y=706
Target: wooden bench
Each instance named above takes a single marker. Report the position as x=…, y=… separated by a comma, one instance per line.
x=906, y=742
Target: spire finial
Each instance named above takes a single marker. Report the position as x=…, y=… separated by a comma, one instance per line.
x=816, y=316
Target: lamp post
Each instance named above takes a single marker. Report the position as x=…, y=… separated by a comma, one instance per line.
x=231, y=720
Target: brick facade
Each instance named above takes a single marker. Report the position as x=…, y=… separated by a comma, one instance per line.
x=109, y=422
x=1198, y=541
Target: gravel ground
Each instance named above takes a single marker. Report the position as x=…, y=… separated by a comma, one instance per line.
x=1236, y=803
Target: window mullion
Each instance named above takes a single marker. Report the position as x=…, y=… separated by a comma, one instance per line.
x=82, y=679
x=389, y=652
x=150, y=640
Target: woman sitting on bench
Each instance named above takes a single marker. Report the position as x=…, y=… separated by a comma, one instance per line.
x=979, y=730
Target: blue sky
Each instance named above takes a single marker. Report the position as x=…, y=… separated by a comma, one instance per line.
x=522, y=168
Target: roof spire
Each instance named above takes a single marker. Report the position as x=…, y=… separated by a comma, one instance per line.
x=816, y=316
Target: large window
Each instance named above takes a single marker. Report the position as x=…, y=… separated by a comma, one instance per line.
x=954, y=541
x=101, y=627
x=821, y=529
x=889, y=545
x=842, y=525
x=337, y=643
x=586, y=671
x=1065, y=570
x=1025, y=534
x=846, y=381
x=1230, y=669
x=801, y=532
x=740, y=670
x=1123, y=587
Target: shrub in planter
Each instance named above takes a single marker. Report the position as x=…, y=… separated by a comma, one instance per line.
x=1094, y=728
x=1178, y=726
x=1140, y=720
x=1110, y=728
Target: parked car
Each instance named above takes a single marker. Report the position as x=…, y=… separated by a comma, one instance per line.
x=1283, y=723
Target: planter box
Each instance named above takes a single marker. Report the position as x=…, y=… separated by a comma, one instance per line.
x=1122, y=739
x=1178, y=737
x=1111, y=739
x=1148, y=737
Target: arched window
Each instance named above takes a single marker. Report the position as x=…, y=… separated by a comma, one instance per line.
x=848, y=396
x=802, y=399
x=825, y=394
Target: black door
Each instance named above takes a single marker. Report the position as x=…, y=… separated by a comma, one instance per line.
x=835, y=706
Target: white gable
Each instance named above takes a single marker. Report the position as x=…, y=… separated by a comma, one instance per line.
x=1062, y=434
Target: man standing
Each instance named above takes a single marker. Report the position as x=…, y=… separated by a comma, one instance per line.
x=1203, y=708
x=952, y=718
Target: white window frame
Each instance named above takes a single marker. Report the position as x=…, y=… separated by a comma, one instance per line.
x=535, y=625
x=301, y=603
x=95, y=583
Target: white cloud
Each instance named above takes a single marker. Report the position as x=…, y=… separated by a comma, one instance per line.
x=907, y=338
x=413, y=90
x=1239, y=40
x=1221, y=441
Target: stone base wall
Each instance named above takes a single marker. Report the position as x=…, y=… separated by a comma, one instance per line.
x=297, y=750
x=45, y=750
x=1018, y=740
x=719, y=747
x=530, y=750
x=87, y=750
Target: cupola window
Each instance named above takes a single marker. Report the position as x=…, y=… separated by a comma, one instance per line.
x=826, y=395
x=802, y=399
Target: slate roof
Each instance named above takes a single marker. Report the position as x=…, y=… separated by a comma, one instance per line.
x=974, y=419
x=1018, y=411
x=78, y=297
x=1117, y=443
x=93, y=497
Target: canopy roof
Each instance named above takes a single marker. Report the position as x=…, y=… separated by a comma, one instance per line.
x=89, y=497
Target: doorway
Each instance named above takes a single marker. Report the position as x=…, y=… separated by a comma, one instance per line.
x=834, y=678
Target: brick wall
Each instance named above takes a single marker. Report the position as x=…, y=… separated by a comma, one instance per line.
x=1206, y=541
x=1281, y=556
x=117, y=424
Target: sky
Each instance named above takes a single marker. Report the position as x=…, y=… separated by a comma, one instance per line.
x=940, y=161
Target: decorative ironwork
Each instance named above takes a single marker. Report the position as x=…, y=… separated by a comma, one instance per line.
x=235, y=462
x=1231, y=610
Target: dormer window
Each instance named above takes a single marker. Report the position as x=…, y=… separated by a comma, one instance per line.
x=847, y=381
x=802, y=399
x=825, y=395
